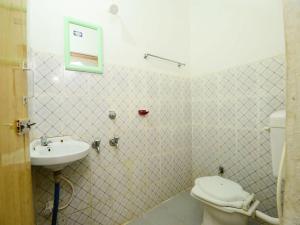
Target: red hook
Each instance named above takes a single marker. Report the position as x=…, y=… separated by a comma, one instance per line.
x=143, y=112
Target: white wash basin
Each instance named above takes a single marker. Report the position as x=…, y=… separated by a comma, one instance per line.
x=60, y=152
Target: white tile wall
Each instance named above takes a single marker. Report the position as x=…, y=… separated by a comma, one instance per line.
x=188, y=133
x=229, y=111
x=153, y=161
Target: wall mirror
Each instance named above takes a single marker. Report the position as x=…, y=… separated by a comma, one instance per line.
x=83, y=46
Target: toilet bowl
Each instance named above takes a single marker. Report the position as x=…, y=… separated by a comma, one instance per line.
x=224, y=201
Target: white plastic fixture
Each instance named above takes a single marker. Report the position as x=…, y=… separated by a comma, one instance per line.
x=277, y=134
x=224, y=201
x=61, y=152
x=114, y=9
x=221, y=191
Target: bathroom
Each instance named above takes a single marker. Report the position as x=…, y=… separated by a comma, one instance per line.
x=167, y=99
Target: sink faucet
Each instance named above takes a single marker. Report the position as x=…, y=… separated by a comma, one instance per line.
x=44, y=140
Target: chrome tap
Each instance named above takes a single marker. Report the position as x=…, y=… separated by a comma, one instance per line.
x=114, y=142
x=44, y=140
x=96, y=145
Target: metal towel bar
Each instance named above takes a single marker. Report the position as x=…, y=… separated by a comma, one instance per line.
x=179, y=64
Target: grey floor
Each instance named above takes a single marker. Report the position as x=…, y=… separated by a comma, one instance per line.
x=179, y=210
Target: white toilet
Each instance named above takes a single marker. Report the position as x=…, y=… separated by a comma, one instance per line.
x=224, y=201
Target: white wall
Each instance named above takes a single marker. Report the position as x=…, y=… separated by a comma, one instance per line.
x=227, y=33
x=209, y=35
x=159, y=27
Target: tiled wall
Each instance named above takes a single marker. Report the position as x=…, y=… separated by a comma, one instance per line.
x=229, y=111
x=219, y=123
x=153, y=161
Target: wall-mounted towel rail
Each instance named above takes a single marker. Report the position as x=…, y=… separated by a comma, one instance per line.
x=179, y=64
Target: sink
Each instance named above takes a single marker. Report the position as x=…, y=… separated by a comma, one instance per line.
x=60, y=152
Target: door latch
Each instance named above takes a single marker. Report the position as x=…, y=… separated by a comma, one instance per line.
x=24, y=126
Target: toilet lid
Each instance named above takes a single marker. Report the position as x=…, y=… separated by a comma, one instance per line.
x=221, y=189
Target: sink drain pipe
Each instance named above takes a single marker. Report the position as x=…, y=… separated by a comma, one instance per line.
x=57, y=177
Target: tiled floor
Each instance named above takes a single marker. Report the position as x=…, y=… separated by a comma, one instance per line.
x=179, y=210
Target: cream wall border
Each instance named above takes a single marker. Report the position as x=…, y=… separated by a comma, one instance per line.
x=291, y=215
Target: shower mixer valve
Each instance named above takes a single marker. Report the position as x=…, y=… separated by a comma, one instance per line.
x=114, y=142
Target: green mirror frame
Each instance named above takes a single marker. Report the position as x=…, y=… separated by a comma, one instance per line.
x=83, y=68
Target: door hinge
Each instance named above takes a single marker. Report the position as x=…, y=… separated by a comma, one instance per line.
x=25, y=100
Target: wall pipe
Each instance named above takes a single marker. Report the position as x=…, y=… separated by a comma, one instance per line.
x=57, y=175
x=264, y=217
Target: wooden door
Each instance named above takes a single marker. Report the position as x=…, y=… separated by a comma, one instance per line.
x=16, y=207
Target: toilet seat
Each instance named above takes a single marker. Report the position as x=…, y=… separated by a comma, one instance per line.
x=224, y=201
x=222, y=192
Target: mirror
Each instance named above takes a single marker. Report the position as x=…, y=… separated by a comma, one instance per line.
x=83, y=46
